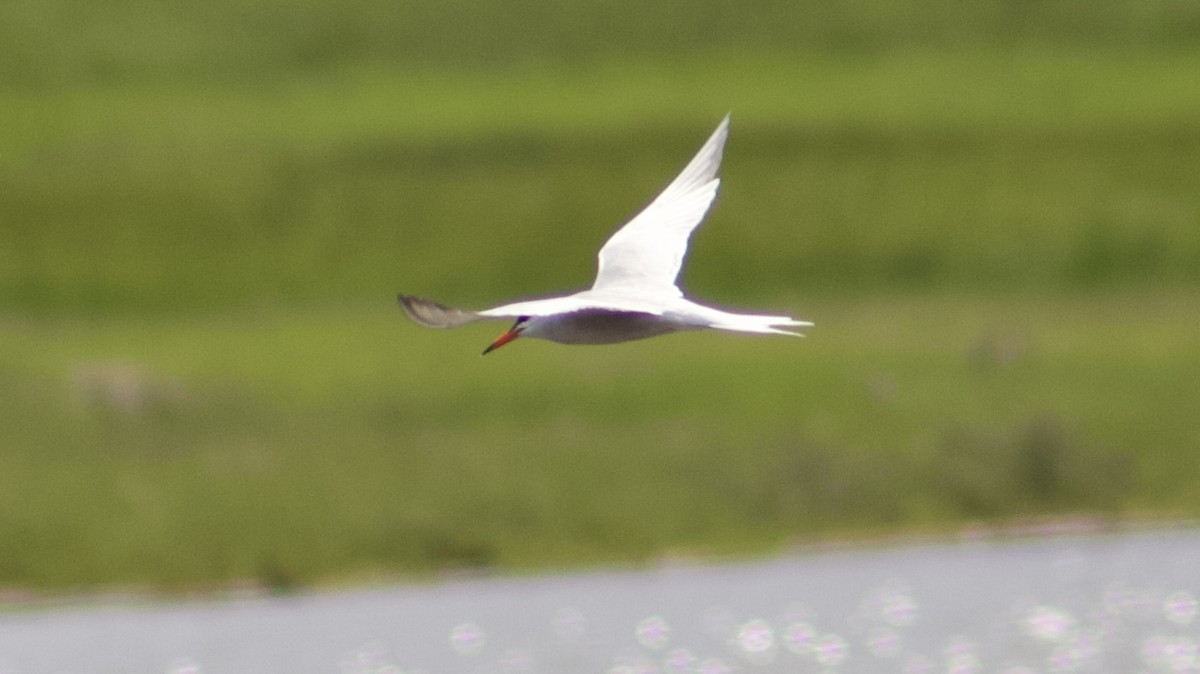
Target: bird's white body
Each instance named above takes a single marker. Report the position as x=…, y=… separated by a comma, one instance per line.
x=635, y=293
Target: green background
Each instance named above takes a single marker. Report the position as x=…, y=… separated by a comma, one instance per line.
x=990, y=210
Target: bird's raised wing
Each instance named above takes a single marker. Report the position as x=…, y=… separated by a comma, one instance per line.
x=647, y=253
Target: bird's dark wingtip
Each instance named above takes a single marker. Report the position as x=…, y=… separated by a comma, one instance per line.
x=432, y=314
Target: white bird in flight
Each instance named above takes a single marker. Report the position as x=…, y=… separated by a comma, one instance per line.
x=635, y=293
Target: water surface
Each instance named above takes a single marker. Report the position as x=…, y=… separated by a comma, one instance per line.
x=1109, y=603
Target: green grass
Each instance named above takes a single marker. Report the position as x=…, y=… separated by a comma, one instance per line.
x=990, y=210
x=1041, y=168
x=49, y=43
x=302, y=447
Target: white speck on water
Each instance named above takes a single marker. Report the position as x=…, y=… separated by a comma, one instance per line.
x=830, y=650
x=184, y=666
x=1048, y=623
x=898, y=608
x=679, y=661
x=756, y=636
x=961, y=657
x=799, y=638
x=369, y=658
x=1171, y=654
x=1180, y=607
x=1064, y=659
x=653, y=632
x=467, y=639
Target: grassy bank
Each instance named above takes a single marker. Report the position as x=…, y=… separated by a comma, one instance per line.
x=299, y=447
x=989, y=210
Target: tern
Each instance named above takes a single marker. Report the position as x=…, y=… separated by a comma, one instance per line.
x=635, y=294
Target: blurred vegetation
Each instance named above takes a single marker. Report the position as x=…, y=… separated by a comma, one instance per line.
x=989, y=209
x=55, y=42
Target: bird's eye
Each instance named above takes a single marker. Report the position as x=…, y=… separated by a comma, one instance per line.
x=522, y=319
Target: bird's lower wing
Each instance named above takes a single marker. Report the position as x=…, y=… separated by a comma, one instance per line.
x=588, y=300
x=434, y=315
